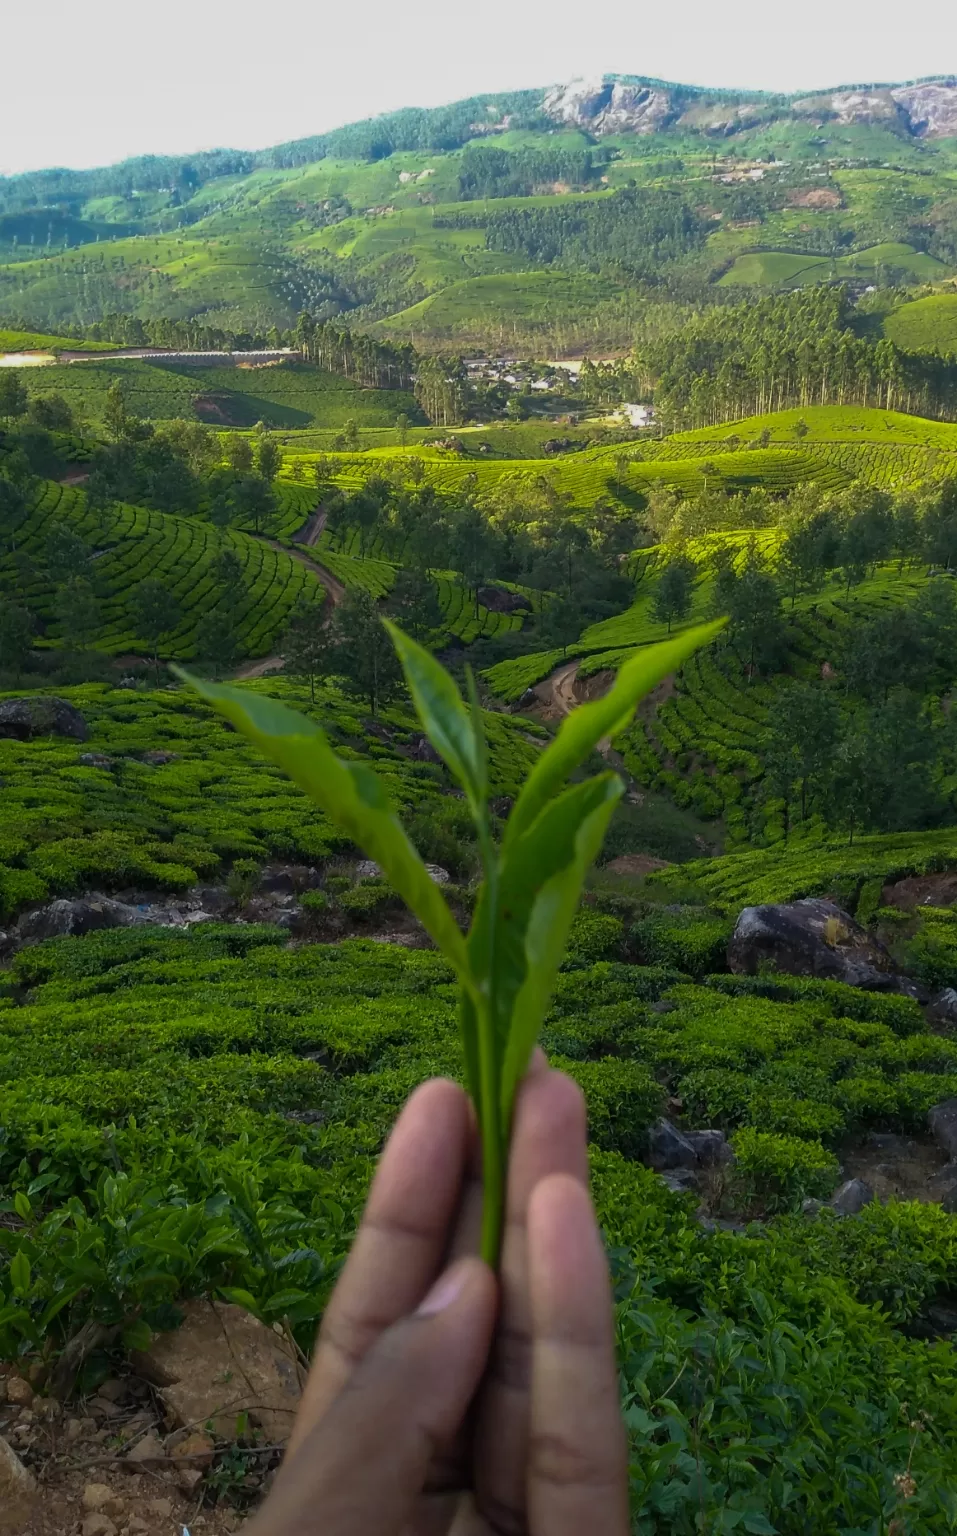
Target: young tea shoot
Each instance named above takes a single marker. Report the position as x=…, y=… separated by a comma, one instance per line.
x=531, y=881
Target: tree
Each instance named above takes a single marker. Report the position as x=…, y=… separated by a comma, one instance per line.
x=939, y=528
x=561, y=623
x=268, y=458
x=806, y=552
x=227, y=568
x=52, y=412
x=674, y=590
x=79, y=613
x=801, y=430
x=66, y=554
x=414, y=604
x=17, y=629
x=253, y=502
x=239, y=453
x=307, y=645
x=155, y=613
x=755, y=613
x=402, y=425
x=118, y=423
x=13, y=395
x=803, y=729
x=364, y=657
x=217, y=639
x=472, y=547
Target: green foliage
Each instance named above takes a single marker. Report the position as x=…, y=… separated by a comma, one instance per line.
x=775, y=1172
x=507, y=967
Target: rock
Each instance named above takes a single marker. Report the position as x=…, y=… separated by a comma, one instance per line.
x=146, y=1451
x=529, y=699
x=604, y=106
x=40, y=715
x=439, y=875
x=223, y=1362
x=188, y=1478
x=500, y=600
x=75, y=1429
x=98, y=1525
x=681, y=1181
x=211, y=899
x=942, y=1187
x=136, y=1527
x=943, y=1009
x=157, y=759
x=424, y=752
x=114, y=1390
x=663, y=1005
x=711, y=1147
x=670, y=1148
x=73, y=916
x=98, y=1496
x=942, y=1122
x=14, y=1477
x=287, y=879
x=197, y=1449
x=811, y=1207
x=811, y=937
x=163, y=1508
x=852, y=1197
x=368, y=869
x=96, y=760
x=19, y=1391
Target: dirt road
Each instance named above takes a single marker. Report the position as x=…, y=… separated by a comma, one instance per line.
x=335, y=591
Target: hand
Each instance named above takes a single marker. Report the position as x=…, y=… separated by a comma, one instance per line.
x=445, y=1402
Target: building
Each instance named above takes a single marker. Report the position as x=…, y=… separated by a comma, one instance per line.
x=638, y=415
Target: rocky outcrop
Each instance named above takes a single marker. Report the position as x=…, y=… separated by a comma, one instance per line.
x=812, y=937
x=604, y=106
x=942, y=1123
x=931, y=108
x=74, y=916
x=942, y=1013
x=670, y=1149
x=41, y=715
x=863, y=106
x=852, y=1197
x=499, y=600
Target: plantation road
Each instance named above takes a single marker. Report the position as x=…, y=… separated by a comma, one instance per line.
x=335, y=591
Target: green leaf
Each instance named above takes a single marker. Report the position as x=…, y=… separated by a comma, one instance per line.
x=541, y=883
x=585, y=727
x=350, y=794
x=20, y=1273
x=22, y=1206
x=137, y=1335
x=240, y=1297
x=455, y=735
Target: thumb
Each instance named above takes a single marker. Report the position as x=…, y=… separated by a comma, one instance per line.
x=365, y=1463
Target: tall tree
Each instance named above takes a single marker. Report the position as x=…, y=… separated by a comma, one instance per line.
x=674, y=590
x=78, y=612
x=414, y=603
x=803, y=730
x=17, y=631
x=155, y=612
x=13, y=395
x=365, y=659
x=308, y=646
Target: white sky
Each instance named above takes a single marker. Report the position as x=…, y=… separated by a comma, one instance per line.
x=88, y=82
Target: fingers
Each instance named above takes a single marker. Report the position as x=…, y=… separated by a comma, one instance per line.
x=362, y=1467
x=577, y=1452
x=401, y=1243
x=548, y=1138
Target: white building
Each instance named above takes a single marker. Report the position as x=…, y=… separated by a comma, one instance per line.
x=638, y=415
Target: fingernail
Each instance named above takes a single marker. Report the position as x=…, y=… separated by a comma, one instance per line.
x=447, y=1289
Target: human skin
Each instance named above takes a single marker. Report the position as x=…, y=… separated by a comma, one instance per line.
x=443, y=1399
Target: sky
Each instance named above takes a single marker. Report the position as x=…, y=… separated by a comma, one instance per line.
x=95, y=82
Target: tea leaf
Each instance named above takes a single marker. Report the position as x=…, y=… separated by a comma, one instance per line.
x=456, y=737
x=353, y=796
x=582, y=730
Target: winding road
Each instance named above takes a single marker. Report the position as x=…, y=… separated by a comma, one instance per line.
x=335, y=591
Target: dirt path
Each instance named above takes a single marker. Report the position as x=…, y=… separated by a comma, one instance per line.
x=335, y=592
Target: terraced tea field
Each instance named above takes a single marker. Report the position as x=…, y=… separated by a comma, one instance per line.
x=136, y=543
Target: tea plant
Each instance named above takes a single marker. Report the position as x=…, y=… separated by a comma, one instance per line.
x=507, y=964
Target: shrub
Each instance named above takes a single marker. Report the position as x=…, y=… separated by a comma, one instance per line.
x=775, y=1172
x=594, y=936
x=242, y=880
x=691, y=941
x=368, y=900
x=623, y=1101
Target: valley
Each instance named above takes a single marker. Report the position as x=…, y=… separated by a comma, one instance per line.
x=254, y=404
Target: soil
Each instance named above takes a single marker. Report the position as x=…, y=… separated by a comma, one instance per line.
x=635, y=865
x=896, y=1167
x=939, y=890
x=817, y=197
x=215, y=410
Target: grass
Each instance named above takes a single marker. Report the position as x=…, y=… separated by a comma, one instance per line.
x=789, y=269
x=32, y=341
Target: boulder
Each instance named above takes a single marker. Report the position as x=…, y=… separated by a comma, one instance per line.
x=424, y=752
x=157, y=759
x=287, y=879
x=529, y=699
x=368, y=869
x=73, y=916
x=40, y=715
x=681, y=1181
x=942, y=1186
x=943, y=1009
x=812, y=937
x=942, y=1123
x=852, y=1197
x=711, y=1147
x=222, y=1363
x=670, y=1148
x=96, y=760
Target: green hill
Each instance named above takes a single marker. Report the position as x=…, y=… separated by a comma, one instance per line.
x=925, y=325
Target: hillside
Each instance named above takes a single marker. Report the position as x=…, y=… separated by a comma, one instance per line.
x=504, y=222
